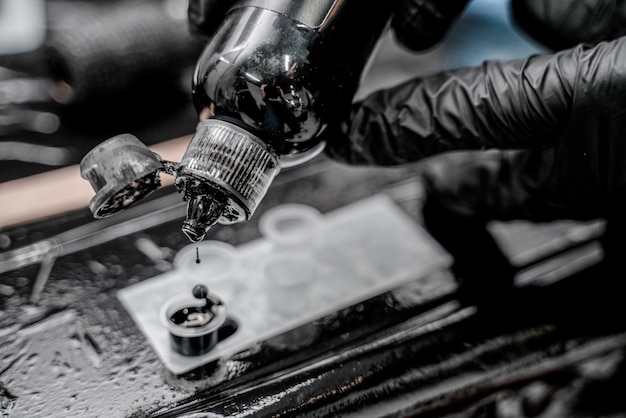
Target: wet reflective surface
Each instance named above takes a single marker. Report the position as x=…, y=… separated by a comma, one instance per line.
x=80, y=344
x=77, y=352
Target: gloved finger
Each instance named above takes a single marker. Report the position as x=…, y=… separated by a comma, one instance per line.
x=560, y=24
x=515, y=104
x=205, y=16
x=421, y=24
x=472, y=184
x=500, y=185
x=463, y=191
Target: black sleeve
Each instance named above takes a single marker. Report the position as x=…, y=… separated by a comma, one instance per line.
x=421, y=24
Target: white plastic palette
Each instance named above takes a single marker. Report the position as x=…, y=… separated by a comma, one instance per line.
x=359, y=251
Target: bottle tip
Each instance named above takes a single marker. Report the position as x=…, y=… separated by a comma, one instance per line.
x=203, y=211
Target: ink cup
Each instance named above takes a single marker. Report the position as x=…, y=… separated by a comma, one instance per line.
x=211, y=263
x=194, y=323
x=290, y=270
x=291, y=226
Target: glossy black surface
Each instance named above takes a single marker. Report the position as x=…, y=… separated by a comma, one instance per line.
x=415, y=349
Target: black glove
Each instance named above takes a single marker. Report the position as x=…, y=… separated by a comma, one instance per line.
x=561, y=116
x=560, y=24
x=205, y=16
x=421, y=24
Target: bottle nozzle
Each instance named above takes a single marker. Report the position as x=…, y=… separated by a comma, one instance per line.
x=203, y=211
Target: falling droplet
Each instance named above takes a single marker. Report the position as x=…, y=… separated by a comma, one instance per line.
x=197, y=256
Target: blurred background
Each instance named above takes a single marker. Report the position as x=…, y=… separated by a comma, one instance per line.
x=74, y=73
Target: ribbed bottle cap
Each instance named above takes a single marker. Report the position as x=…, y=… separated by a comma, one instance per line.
x=229, y=166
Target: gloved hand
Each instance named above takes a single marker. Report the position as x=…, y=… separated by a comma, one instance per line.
x=553, y=125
